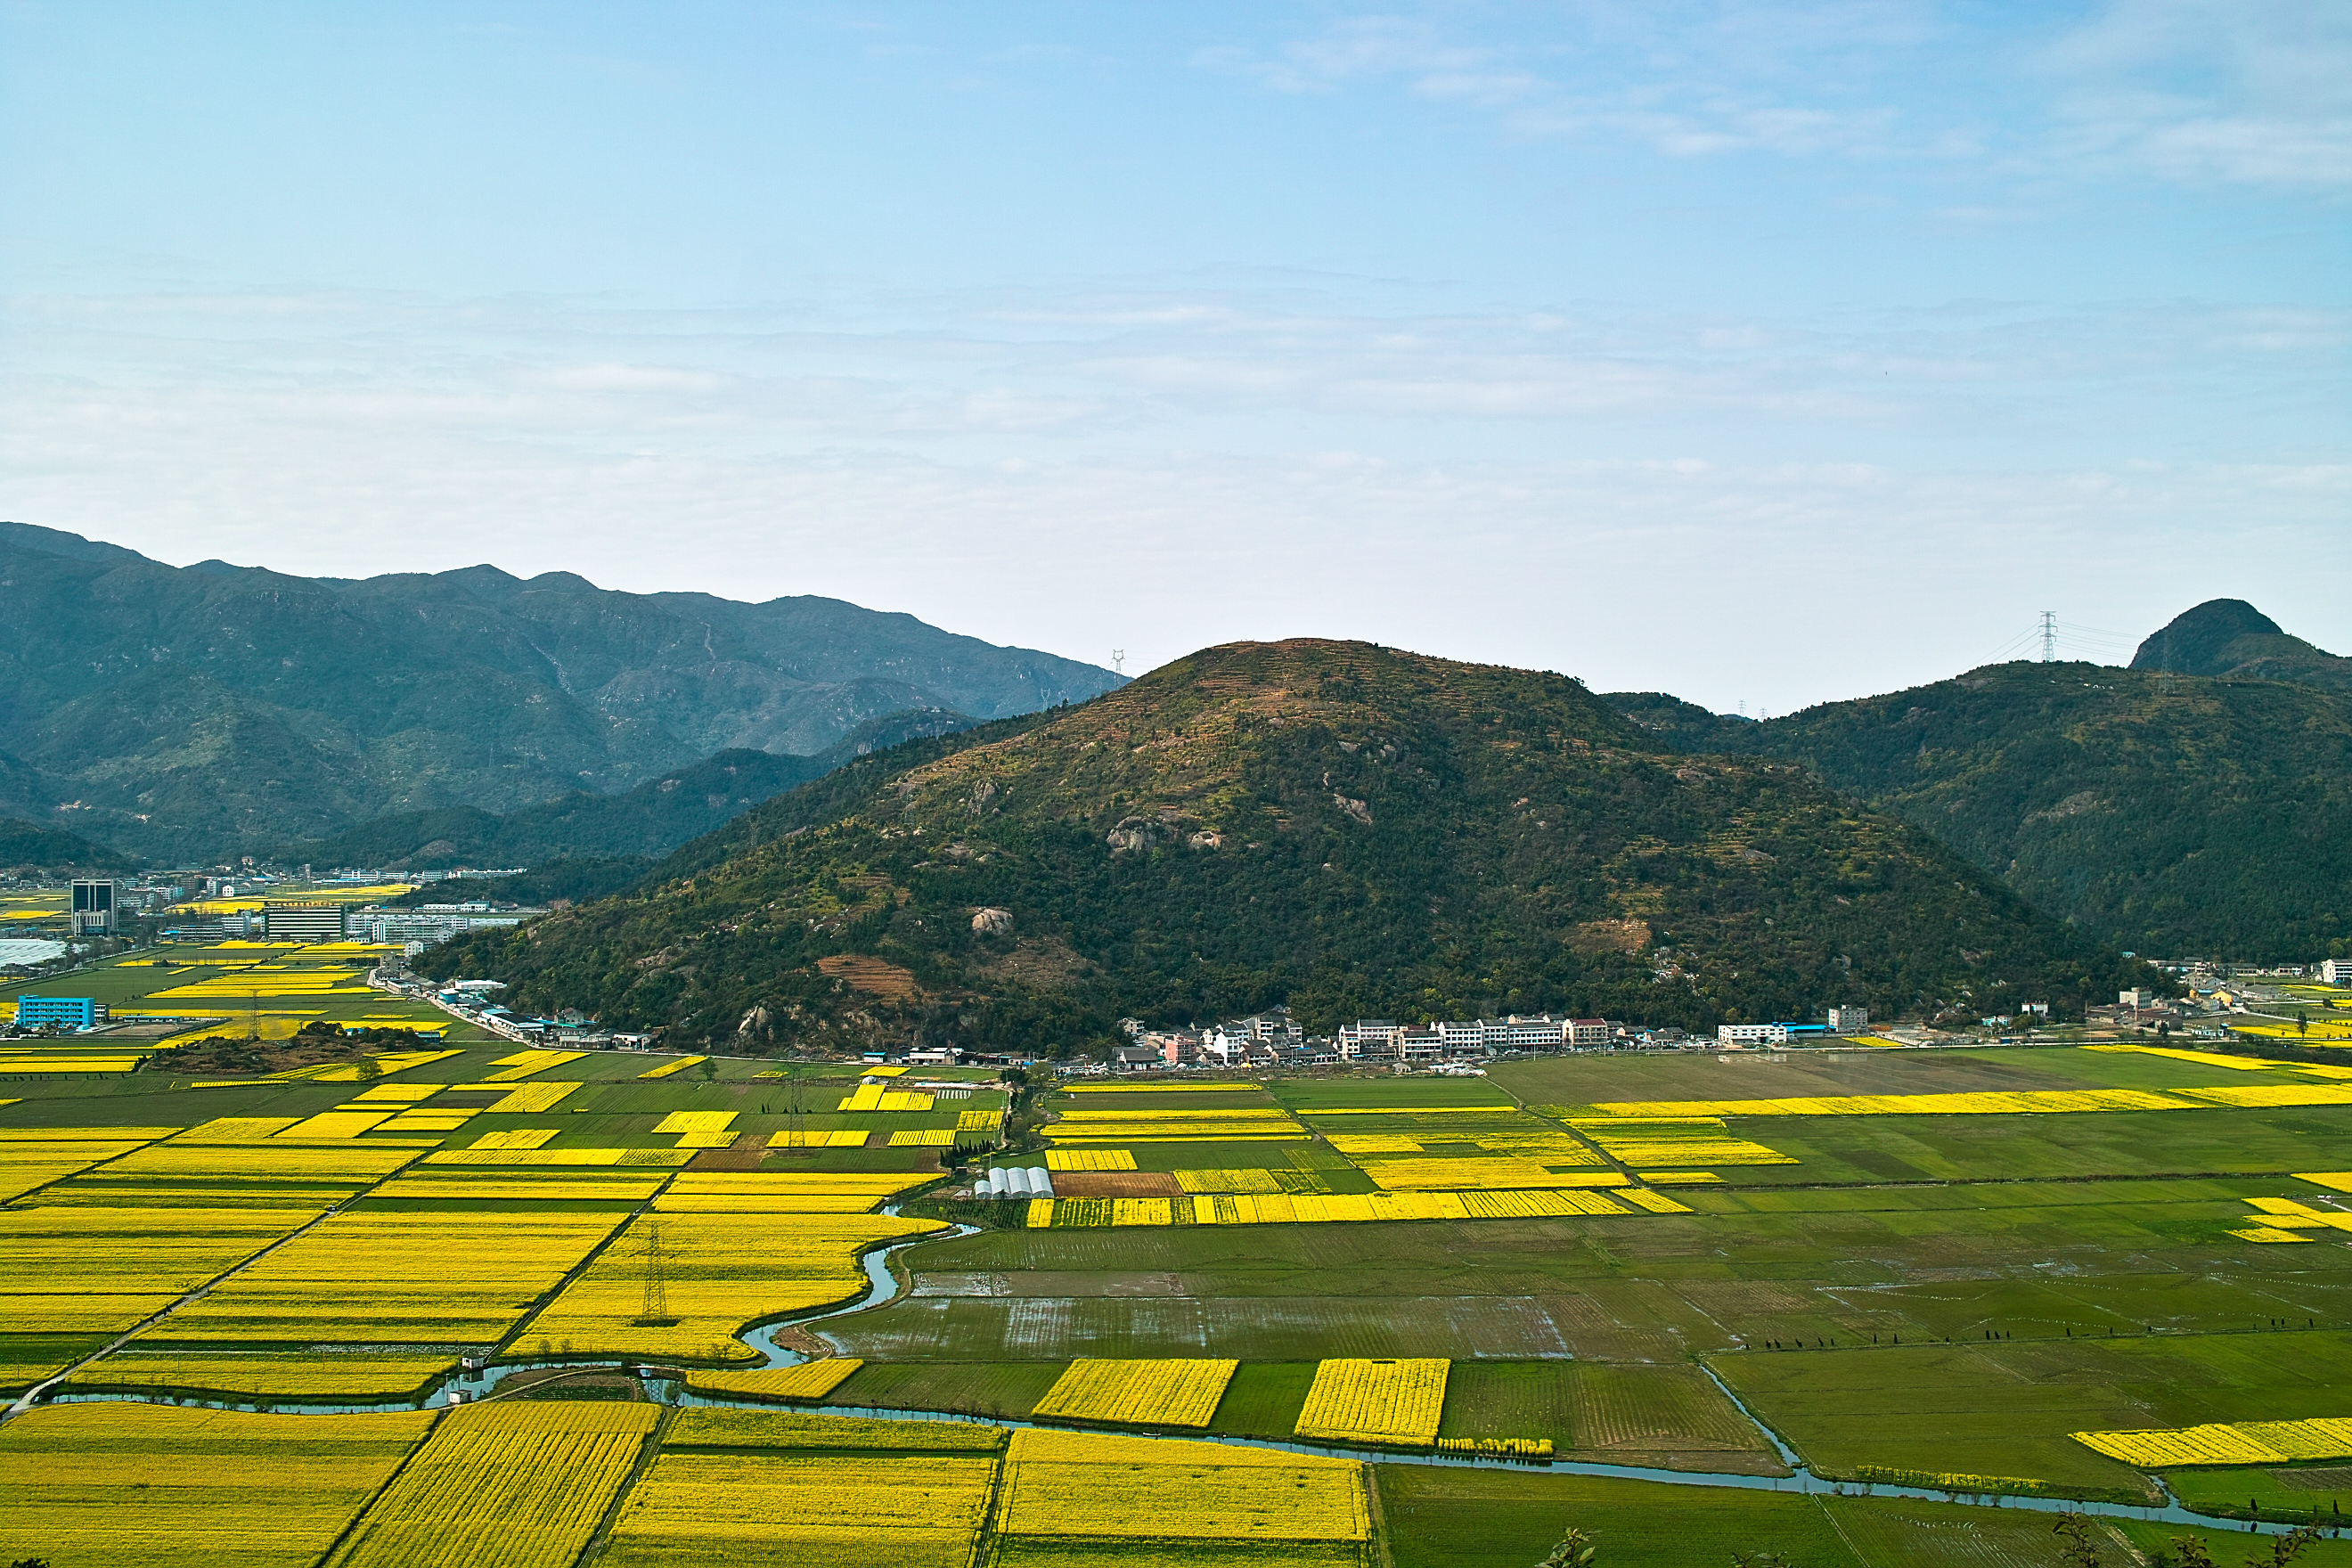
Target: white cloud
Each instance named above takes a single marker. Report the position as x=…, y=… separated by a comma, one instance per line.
x=2251, y=91
x=2234, y=91
x=1640, y=500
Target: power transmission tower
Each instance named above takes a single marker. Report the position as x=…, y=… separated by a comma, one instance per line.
x=2049, y=636
x=1118, y=661
x=795, y=1131
x=654, y=1311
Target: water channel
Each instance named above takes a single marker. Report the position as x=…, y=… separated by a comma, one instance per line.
x=883, y=1287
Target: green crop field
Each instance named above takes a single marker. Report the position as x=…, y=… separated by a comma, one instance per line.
x=1668, y=1263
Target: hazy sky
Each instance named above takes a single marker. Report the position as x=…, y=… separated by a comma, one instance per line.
x=1765, y=354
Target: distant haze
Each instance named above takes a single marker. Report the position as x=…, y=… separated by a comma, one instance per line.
x=1763, y=353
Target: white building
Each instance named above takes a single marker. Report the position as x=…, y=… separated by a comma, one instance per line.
x=1584, y=1032
x=1849, y=1020
x=1739, y=1036
x=2336, y=971
x=1540, y=1033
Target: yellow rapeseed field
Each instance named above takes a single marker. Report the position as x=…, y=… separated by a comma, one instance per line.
x=522, y=1064
x=517, y=1138
x=1393, y=1403
x=1086, y=1124
x=1373, y=1143
x=400, y=1277
x=2201, y=1058
x=511, y=1485
x=1100, y=1489
x=289, y=1377
x=103, y=1484
x=695, y=1121
x=1139, y=1392
x=809, y=1382
x=1310, y=1208
x=1475, y=1175
x=704, y=1510
x=1165, y=1089
x=873, y=1096
x=1227, y=1180
x=722, y=1271
x=680, y=1065
x=2227, y=1443
x=820, y=1138
x=529, y=1099
x=357, y=1164
x=559, y=1157
x=1676, y=1141
x=526, y=1189
x=1089, y=1160
x=1985, y=1102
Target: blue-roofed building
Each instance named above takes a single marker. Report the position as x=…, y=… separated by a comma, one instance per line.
x=75, y=1012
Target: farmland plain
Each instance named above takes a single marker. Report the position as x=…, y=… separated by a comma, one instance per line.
x=1884, y=1289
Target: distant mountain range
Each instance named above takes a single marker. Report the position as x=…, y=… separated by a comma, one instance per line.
x=29, y=845
x=200, y=712
x=652, y=819
x=2197, y=803
x=1353, y=830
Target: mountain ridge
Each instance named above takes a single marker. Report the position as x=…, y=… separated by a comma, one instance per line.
x=2185, y=814
x=647, y=822
x=218, y=707
x=1350, y=830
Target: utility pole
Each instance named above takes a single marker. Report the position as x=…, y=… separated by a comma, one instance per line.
x=796, y=1131
x=2049, y=636
x=654, y=1311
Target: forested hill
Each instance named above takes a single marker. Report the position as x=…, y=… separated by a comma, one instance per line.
x=199, y=710
x=1353, y=830
x=28, y=846
x=2161, y=813
x=2231, y=638
x=650, y=820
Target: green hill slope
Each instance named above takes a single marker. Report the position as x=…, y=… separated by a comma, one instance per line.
x=30, y=846
x=214, y=709
x=2232, y=640
x=650, y=820
x=2161, y=813
x=1353, y=830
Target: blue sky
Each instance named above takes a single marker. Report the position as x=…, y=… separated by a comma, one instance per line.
x=1764, y=353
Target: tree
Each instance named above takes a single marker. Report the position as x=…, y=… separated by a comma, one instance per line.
x=2191, y=1552
x=1575, y=1551
x=2077, y=1548
x=1759, y=1559
x=368, y=1068
x=2286, y=1549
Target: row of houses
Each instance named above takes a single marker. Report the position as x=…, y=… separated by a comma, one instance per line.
x=1271, y=1039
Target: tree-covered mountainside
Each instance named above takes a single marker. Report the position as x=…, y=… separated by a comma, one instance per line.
x=1352, y=830
x=194, y=712
x=2161, y=813
x=649, y=821
x=2232, y=640
x=552, y=882
x=28, y=846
